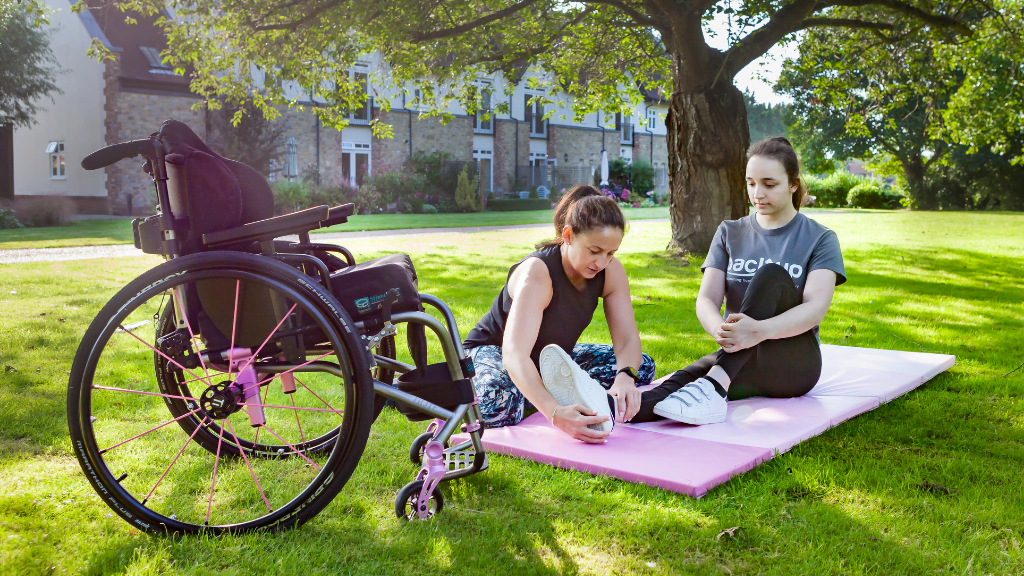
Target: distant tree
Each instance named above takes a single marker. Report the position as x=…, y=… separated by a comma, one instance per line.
x=988, y=110
x=28, y=69
x=859, y=94
x=244, y=134
x=765, y=120
x=598, y=51
x=465, y=193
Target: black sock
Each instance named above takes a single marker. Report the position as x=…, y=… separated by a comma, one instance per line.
x=718, y=387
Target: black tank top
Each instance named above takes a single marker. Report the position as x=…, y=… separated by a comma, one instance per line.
x=565, y=318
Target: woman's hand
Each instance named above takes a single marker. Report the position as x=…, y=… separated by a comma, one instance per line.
x=573, y=420
x=624, y=389
x=739, y=332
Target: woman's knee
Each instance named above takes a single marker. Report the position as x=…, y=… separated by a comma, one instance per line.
x=772, y=273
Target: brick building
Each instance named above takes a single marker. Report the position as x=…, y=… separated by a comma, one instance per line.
x=127, y=97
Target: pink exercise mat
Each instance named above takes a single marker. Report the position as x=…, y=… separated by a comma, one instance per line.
x=693, y=459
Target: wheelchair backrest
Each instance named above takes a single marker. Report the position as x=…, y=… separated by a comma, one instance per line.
x=208, y=192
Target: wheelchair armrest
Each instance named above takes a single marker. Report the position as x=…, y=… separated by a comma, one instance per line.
x=339, y=215
x=301, y=221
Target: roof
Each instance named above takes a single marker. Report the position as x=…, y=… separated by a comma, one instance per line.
x=141, y=43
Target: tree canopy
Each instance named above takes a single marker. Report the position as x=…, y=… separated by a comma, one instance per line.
x=28, y=68
x=604, y=53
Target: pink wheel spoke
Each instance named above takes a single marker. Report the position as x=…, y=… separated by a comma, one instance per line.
x=269, y=336
x=175, y=295
x=105, y=450
x=292, y=447
x=294, y=408
x=234, y=323
x=141, y=392
x=290, y=370
x=178, y=455
x=297, y=423
x=204, y=377
x=169, y=359
x=246, y=458
x=216, y=460
x=315, y=394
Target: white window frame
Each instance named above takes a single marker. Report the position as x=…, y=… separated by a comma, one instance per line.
x=480, y=125
x=353, y=149
x=479, y=155
x=624, y=125
x=652, y=119
x=364, y=69
x=532, y=111
x=56, y=160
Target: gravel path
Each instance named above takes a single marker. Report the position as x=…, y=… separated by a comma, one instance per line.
x=24, y=255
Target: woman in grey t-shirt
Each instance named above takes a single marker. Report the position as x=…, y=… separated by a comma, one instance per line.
x=776, y=270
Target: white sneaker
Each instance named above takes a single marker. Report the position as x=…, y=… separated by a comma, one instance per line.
x=570, y=384
x=696, y=403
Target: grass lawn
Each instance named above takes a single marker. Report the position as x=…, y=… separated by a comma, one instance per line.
x=119, y=231
x=846, y=502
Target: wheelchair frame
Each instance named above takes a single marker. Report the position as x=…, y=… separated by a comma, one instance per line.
x=158, y=235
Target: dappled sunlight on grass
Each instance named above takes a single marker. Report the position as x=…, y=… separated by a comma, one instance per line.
x=860, y=498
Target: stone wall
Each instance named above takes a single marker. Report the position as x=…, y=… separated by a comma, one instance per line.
x=582, y=146
x=506, y=155
x=642, y=148
x=135, y=115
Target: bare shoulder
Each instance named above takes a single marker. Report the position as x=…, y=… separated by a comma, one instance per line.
x=615, y=278
x=530, y=277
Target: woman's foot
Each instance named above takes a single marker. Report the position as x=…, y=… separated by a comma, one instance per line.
x=696, y=403
x=570, y=384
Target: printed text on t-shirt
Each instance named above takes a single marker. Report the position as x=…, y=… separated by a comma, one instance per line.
x=741, y=267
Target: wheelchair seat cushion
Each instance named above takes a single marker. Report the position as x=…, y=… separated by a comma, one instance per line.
x=361, y=289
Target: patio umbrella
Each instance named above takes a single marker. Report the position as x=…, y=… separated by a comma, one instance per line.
x=291, y=160
x=604, y=167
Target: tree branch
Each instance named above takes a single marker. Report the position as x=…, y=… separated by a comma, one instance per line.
x=753, y=45
x=632, y=13
x=456, y=30
x=543, y=47
x=904, y=8
x=295, y=24
x=844, y=23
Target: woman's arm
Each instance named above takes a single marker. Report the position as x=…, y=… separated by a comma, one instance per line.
x=530, y=289
x=618, y=310
x=741, y=331
x=709, y=300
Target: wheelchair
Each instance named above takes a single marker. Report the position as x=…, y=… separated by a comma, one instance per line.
x=232, y=388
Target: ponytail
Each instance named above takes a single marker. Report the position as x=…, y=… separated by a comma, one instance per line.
x=583, y=208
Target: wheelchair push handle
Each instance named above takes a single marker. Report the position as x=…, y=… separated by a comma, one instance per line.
x=111, y=154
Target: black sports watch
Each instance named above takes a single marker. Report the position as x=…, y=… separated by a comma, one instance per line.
x=629, y=372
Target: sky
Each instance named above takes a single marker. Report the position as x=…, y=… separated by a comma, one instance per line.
x=760, y=75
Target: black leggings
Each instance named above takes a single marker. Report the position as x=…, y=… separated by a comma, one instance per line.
x=782, y=368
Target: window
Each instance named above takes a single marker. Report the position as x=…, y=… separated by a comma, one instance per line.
x=483, y=125
x=652, y=119
x=156, y=62
x=361, y=114
x=485, y=159
x=538, y=159
x=624, y=124
x=355, y=162
x=56, y=152
x=534, y=116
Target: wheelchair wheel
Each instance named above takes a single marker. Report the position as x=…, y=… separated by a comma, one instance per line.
x=408, y=499
x=229, y=399
x=174, y=383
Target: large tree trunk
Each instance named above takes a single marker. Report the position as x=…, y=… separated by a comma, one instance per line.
x=914, y=171
x=707, y=142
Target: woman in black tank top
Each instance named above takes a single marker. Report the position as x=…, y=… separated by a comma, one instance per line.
x=549, y=298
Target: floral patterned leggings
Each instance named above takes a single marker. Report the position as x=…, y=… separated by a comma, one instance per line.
x=502, y=404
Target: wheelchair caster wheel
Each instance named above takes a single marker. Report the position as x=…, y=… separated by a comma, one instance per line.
x=407, y=501
x=416, y=450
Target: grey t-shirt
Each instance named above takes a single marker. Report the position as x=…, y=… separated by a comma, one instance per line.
x=742, y=246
